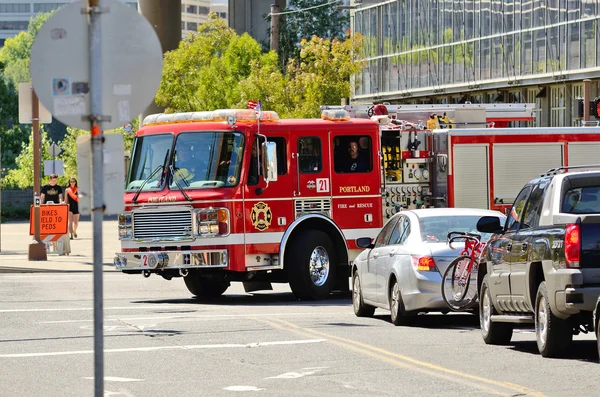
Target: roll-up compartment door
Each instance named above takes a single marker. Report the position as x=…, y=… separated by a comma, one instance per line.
x=517, y=164
x=584, y=153
x=470, y=176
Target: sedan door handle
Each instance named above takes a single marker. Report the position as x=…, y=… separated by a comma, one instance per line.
x=375, y=255
x=392, y=252
x=508, y=246
x=524, y=247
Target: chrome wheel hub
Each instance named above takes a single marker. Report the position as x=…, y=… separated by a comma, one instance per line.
x=356, y=293
x=486, y=312
x=395, y=299
x=319, y=266
x=542, y=323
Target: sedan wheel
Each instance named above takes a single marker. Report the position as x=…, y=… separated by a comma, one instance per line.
x=399, y=314
x=360, y=308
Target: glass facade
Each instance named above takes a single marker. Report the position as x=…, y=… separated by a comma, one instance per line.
x=424, y=47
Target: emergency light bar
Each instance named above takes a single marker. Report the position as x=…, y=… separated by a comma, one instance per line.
x=335, y=115
x=228, y=115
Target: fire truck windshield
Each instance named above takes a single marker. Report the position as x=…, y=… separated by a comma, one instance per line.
x=149, y=153
x=207, y=160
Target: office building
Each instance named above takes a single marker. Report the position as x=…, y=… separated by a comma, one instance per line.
x=449, y=51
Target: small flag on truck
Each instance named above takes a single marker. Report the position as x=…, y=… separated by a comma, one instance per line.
x=256, y=105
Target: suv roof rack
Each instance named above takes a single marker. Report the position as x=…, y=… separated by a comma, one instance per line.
x=562, y=170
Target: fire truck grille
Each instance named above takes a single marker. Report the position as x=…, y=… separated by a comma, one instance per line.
x=167, y=225
x=313, y=206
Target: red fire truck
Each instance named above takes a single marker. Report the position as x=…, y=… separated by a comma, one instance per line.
x=223, y=196
x=230, y=195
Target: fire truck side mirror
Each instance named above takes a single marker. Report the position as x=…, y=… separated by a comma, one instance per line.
x=269, y=165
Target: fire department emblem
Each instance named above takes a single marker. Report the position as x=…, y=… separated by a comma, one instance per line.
x=311, y=185
x=261, y=216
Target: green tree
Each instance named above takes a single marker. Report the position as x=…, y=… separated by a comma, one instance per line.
x=215, y=68
x=322, y=74
x=17, y=50
x=22, y=177
x=307, y=18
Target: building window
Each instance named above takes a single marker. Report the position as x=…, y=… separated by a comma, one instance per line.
x=222, y=15
x=533, y=96
x=46, y=7
x=557, y=106
x=14, y=25
x=133, y=5
x=15, y=7
x=192, y=9
x=192, y=26
x=203, y=10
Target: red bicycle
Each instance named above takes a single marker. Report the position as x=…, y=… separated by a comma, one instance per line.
x=457, y=291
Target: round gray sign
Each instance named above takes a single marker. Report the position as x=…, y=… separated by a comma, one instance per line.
x=131, y=62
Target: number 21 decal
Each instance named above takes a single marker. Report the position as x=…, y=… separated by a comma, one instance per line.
x=322, y=185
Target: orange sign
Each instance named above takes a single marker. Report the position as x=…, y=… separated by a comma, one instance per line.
x=54, y=219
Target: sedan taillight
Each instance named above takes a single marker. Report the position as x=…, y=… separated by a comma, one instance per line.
x=423, y=263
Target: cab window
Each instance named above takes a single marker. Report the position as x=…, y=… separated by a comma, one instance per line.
x=309, y=155
x=352, y=154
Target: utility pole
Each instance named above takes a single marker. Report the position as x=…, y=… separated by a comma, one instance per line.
x=37, y=249
x=275, y=28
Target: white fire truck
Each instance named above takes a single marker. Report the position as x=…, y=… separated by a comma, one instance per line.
x=271, y=200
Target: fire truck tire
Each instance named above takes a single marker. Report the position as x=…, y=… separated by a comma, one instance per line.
x=311, y=265
x=204, y=287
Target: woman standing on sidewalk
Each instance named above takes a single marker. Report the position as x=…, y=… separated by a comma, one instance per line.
x=72, y=198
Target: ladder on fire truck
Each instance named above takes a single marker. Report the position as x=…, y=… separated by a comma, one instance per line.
x=464, y=114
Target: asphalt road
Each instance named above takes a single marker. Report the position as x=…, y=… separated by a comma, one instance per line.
x=159, y=341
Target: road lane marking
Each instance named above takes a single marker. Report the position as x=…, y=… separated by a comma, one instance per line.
x=115, y=379
x=198, y=316
x=242, y=388
x=158, y=348
x=408, y=362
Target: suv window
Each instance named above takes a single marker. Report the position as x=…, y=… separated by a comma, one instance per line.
x=583, y=200
x=514, y=217
x=533, y=210
x=384, y=234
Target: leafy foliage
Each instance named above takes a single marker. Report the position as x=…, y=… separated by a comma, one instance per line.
x=17, y=50
x=215, y=68
x=327, y=22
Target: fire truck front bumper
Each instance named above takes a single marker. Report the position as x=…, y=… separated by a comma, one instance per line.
x=161, y=260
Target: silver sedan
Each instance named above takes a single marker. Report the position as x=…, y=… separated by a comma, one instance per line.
x=402, y=269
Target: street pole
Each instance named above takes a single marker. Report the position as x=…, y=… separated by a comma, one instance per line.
x=96, y=118
x=275, y=28
x=37, y=249
x=586, y=100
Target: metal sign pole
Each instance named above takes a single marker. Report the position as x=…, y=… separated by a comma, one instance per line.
x=97, y=194
x=37, y=249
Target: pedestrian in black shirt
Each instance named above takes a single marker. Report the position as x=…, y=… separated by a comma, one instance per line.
x=52, y=192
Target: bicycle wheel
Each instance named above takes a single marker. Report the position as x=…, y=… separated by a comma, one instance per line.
x=457, y=291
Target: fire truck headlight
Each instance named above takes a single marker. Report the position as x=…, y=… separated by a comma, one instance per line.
x=125, y=227
x=211, y=222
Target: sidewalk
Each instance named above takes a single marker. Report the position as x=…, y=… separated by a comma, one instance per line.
x=14, y=249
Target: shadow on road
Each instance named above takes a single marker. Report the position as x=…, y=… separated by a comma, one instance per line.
x=260, y=299
x=464, y=321
x=582, y=350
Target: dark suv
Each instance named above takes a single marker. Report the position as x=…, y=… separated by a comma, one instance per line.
x=543, y=265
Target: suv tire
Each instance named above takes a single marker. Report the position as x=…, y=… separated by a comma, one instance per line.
x=492, y=333
x=553, y=335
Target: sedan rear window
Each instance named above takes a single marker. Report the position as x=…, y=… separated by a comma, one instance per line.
x=435, y=229
x=582, y=200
